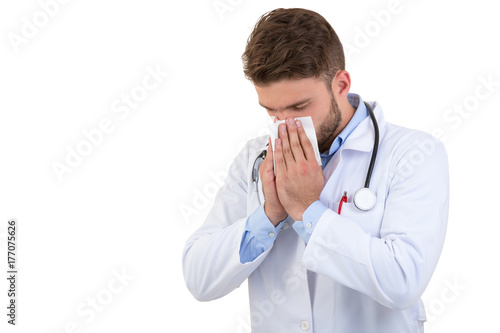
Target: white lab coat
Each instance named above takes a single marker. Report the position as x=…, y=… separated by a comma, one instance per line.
x=360, y=272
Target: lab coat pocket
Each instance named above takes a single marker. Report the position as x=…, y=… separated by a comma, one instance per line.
x=369, y=221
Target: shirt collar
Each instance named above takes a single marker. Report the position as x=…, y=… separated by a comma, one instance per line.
x=359, y=115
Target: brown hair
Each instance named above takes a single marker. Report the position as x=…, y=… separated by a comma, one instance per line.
x=292, y=44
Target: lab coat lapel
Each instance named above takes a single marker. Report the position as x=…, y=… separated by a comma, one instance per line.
x=363, y=136
x=361, y=139
x=332, y=165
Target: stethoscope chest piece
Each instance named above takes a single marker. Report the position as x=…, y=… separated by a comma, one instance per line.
x=364, y=199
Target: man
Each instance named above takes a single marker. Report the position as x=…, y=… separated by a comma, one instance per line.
x=313, y=260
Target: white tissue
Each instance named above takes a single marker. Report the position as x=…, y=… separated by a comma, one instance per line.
x=308, y=125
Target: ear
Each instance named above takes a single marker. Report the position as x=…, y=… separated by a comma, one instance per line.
x=341, y=84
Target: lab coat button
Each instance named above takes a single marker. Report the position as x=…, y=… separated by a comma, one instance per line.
x=304, y=325
x=271, y=234
x=308, y=225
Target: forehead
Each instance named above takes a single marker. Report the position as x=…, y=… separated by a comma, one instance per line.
x=280, y=94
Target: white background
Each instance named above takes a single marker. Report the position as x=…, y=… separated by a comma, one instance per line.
x=132, y=202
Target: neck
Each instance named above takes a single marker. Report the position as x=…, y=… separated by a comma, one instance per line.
x=347, y=112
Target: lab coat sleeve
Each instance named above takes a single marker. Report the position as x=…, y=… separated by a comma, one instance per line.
x=395, y=268
x=310, y=218
x=258, y=236
x=211, y=261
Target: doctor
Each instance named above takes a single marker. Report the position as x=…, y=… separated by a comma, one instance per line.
x=313, y=260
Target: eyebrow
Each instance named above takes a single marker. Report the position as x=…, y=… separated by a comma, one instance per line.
x=289, y=106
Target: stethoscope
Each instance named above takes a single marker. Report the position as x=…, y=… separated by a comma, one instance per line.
x=364, y=199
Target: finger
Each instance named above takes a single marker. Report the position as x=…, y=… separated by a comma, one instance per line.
x=294, y=141
x=269, y=155
x=306, y=144
x=268, y=161
x=279, y=159
x=285, y=149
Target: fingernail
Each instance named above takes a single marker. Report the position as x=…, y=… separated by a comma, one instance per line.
x=299, y=124
x=278, y=142
x=283, y=128
x=291, y=121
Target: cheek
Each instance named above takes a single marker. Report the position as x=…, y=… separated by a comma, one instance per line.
x=321, y=114
x=319, y=121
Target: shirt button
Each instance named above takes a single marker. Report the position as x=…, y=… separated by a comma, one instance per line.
x=271, y=234
x=308, y=225
x=304, y=325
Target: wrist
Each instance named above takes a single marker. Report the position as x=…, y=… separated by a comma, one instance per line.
x=275, y=220
x=298, y=214
x=275, y=217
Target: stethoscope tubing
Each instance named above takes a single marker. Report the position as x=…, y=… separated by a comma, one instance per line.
x=375, y=146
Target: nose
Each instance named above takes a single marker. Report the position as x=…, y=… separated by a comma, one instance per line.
x=280, y=115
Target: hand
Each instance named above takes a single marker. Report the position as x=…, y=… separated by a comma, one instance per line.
x=299, y=178
x=272, y=206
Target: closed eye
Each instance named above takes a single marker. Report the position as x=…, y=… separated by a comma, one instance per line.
x=295, y=106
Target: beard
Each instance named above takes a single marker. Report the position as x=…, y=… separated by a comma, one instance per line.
x=328, y=128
